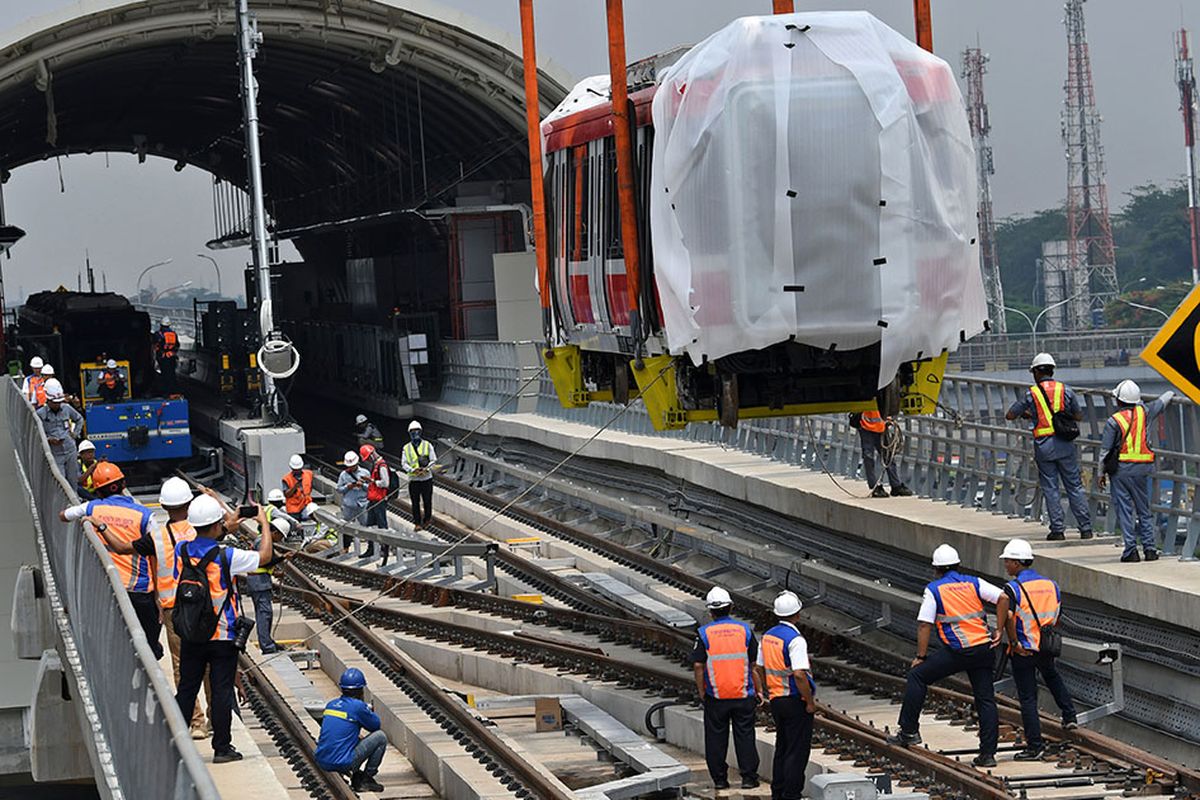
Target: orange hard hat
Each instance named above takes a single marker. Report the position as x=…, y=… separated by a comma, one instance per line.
x=106, y=473
x=366, y=451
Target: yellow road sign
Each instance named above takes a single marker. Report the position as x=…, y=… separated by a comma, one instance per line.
x=1175, y=349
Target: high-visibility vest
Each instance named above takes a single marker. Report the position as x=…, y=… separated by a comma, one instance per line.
x=961, y=621
x=37, y=391
x=109, y=379
x=127, y=520
x=88, y=483
x=166, y=540
x=170, y=343
x=777, y=662
x=727, y=659
x=1041, y=594
x=411, y=457
x=295, y=503
x=872, y=421
x=1055, y=390
x=1135, y=448
x=217, y=589
x=376, y=493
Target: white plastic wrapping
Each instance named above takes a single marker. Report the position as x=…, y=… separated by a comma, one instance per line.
x=814, y=178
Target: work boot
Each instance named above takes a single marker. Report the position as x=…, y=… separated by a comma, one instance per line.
x=417, y=526
x=902, y=739
x=200, y=731
x=901, y=491
x=1055, y=536
x=879, y=491
x=226, y=755
x=362, y=782
x=749, y=781
x=1131, y=557
x=1030, y=754
x=1069, y=724
x=984, y=760
x=1151, y=555
x=721, y=784
x=1085, y=534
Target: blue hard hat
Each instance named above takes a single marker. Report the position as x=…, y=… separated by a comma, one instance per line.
x=352, y=679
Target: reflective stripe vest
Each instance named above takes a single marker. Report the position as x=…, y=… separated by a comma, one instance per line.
x=375, y=492
x=727, y=664
x=37, y=391
x=961, y=621
x=411, y=457
x=109, y=379
x=777, y=662
x=166, y=539
x=872, y=421
x=87, y=483
x=170, y=343
x=1039, y=593
x=1044, y=426
x=1135, y=447
x=217, y=589
x=295, y=503
x=127, y=520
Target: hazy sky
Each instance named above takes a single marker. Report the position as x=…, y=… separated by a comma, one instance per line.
x=129, y=216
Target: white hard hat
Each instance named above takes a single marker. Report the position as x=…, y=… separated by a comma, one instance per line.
x=174, y=493
x=350, y=459
x=275, y=496
x=945, y=556
x=1042, y=360
x=360, y=419
x=280, y=524
x=310, y=509
x=204, y=510
x=716, y=597
x=296, y=462
x=36, y=362
x=1128, y=392
x=787, y=604
x=414, y=426
x=1017, y=550
x=54, y=390
x=165, y=321
x=111, y=363
x=47, y=369
x=86, y=445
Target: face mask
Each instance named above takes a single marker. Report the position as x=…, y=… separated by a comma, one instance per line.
x=416, y=436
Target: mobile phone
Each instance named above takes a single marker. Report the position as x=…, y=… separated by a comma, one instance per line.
x=247, y=512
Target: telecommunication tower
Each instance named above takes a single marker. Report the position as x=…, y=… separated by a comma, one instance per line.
x=974, y=65
x=1091, y=254
x=1186, y=78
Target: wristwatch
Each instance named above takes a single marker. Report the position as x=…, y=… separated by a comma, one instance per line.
x=101, y=527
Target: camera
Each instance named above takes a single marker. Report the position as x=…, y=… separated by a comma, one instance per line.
x=247, y=512
x=241, y=629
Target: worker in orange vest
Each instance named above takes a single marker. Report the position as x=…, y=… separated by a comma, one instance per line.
x=166, y=353
x=1054, y=451
x=784, y=672
x=28, y=386
x=1031, y=603
x=111, y=383
x=953, y=606
x=128, y=520
x=1125, y=436
x=871, y=426
x=297, y=488
x=37, y=386
x=722, y=659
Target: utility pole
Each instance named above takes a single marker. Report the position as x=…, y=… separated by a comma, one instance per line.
x=248, y=41
x=1186, y=78
x=974, y=65
x=1092, y=255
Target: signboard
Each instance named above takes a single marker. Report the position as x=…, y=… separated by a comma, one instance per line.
x=1175, y=350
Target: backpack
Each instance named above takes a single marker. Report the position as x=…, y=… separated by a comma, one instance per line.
x=193, y=617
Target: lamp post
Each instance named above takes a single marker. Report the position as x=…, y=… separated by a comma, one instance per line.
x=147, y=269
x=183, y=285
x=216, y=269
x=1131, y=283
x=1049, y=308
x=1159, y=311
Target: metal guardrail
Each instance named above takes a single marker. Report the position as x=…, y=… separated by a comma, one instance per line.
x=180, y=316
x=1088, y=349
x=141, y=745
x=966, y=454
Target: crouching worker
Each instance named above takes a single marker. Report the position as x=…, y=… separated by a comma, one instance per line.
x=338, y=747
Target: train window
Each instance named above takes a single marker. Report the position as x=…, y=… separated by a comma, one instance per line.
x=614, y=248
x=577, y=204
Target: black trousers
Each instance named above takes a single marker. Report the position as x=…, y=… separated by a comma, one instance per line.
x=978, y=663
x=793, y=743
x=145, y=605
x=719, y=717
x=1025, y=670
x=220, y=658
x=421, y=492
x=166, y=366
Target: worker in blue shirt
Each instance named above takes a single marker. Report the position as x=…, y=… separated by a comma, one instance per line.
x=338, y=747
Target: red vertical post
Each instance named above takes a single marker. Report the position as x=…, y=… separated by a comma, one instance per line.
x=533, y=121
x=784, y=6
x=623, y=131
x=923, y=22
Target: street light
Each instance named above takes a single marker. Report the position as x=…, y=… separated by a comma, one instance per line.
x=183, y=285
x=216, y=269
x=1164, y=314
x=1023, y=314
x=1049, y=308
x=1131, y=283
x=147, y=269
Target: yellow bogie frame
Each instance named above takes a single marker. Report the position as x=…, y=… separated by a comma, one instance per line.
x=89, y=381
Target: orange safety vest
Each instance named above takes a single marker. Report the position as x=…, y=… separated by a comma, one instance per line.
x=961, y=621
x=37, y=390
x=295, y=503
x=217, y=591
x=166, y=539
x=126, y=519
x=1045, y=413
x=170, y=343
x=1041, y=594
x=109, y=379
x=727, y=659
x=777, y=662
x=872, y=421
x=1135, y=448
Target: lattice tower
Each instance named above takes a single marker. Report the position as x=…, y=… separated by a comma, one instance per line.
x=1186, y=77
x=974, y=65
